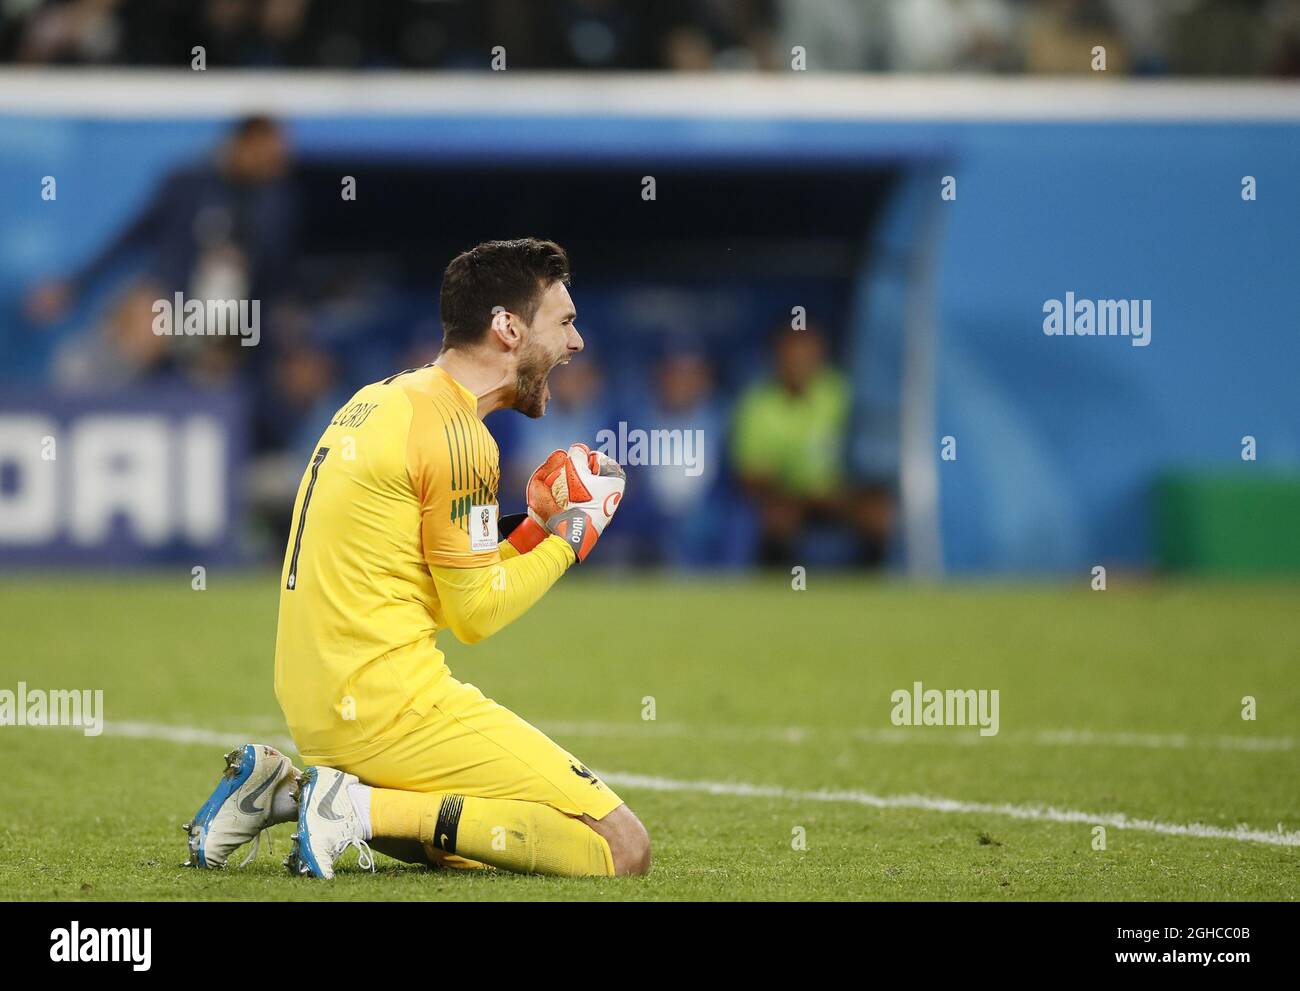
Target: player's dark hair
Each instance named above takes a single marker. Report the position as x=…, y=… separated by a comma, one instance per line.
x=509, y=274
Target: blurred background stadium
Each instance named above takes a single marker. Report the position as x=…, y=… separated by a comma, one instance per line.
x=859, y=210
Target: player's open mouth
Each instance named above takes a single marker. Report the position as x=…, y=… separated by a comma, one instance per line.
x=546, y=392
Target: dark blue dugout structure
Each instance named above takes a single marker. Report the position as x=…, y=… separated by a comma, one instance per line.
x=772, y=194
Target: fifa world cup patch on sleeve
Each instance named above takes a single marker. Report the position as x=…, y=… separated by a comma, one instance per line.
x=483, y=528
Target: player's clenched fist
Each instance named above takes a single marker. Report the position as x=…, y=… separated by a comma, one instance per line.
x=573, y=494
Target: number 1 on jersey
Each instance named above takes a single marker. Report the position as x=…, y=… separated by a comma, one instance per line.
x=292, y=582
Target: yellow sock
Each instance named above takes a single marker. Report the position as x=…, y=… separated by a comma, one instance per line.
x=526, y=837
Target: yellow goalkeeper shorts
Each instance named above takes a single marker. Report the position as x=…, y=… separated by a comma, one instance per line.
x=467, y=744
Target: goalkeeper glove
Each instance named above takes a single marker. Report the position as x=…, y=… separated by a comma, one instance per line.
x=573, y=494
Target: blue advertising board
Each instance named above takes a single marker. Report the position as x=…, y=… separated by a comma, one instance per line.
x=149, y=477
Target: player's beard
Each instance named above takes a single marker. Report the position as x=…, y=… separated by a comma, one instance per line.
x=530, y=383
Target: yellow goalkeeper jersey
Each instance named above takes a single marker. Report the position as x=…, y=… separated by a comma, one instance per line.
x=404, y=478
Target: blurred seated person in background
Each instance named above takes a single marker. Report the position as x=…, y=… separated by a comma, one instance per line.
x=691, y=522
x=217, y=229
x=789, y=438
x=119, y=350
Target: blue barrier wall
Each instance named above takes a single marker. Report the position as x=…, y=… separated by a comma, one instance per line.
x=1059, y=437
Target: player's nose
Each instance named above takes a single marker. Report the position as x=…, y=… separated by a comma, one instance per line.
x=574, y=342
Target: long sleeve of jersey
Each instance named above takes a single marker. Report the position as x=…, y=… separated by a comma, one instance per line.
x=477, y=602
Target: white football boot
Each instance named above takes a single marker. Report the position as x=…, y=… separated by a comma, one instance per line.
x=328, y=825
x=240, y=807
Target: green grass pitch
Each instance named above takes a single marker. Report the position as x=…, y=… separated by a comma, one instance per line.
x=753, y=684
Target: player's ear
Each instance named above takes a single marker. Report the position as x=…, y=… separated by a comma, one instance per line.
x=505, y=327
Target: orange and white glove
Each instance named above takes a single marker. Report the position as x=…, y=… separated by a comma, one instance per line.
x=573, y=494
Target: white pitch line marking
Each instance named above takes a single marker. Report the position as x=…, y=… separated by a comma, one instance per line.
x=933, y=736
x=920, y=803
x=930, y=803
x=194, y=734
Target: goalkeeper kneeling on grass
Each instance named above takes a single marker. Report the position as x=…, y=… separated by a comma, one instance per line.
x=395, y=537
